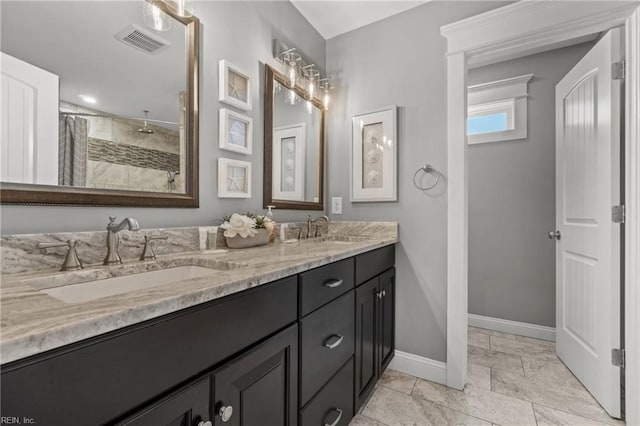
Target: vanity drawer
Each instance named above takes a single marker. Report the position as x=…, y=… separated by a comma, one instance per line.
x=323, y=284
x=334, y=400
x=373, y=263
x=326, y=342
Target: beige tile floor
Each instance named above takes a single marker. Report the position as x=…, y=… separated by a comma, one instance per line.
x=513, y=380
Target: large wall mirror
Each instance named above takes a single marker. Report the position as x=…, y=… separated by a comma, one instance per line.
x=293, y=147
x=99, y=104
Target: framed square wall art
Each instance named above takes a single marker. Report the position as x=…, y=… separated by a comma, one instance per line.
x=236, y=131
x=234, y=86
x=374, y=156
x=234, y=178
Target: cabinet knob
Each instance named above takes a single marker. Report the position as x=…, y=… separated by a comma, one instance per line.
x=379, y=294
x=225, y=412
x=207, y=423
x=384, y=293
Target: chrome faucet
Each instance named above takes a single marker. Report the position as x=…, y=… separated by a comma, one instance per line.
x=310, y=224
x=326, y=219
x=113, y=239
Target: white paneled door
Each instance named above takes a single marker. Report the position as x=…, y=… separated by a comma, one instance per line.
x=588, y=242
x=29, y=123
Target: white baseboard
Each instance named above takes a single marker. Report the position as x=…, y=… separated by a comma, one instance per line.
x=418, y=366
x=513, y=327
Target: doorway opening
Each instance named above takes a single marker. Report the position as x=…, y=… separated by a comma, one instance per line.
x=512, y=234
x=510, y=32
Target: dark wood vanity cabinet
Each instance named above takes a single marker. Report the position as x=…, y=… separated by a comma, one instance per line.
x=305, y=350
x=375, y=336
x=260, y=387
x=189, y=406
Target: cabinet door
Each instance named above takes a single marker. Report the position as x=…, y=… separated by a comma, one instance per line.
x=366, y=340
x=386, y=319
x=187, y=407
x=260, y=387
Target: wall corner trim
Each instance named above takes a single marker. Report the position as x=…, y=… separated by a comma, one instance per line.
x=513, y=327
x=418, y=366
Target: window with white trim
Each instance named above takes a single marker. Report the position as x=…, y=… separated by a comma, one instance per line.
x=497, y=111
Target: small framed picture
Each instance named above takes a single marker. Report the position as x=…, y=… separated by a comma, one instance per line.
x=234, y=178
x=236, y=131
x=234, y=86
x=374, y=152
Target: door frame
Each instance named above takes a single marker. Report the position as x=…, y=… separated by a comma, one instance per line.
x=521, y=29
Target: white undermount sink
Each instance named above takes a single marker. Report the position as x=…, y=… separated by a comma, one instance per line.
x=88, y=291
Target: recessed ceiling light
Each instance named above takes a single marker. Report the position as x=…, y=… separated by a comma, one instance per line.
x=88, y=99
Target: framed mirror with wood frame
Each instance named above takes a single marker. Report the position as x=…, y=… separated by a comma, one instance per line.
x=157, y=138
x=294, y=146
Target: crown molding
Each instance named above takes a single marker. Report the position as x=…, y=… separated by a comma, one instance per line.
x=528, y=27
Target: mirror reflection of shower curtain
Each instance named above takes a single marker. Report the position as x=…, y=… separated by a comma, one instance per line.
x=72, y=152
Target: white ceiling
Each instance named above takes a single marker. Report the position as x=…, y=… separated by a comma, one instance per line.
x=334, y=17
x=75, y=40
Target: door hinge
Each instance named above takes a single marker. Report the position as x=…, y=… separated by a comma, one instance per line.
x=617, y=214
x=618, y=70
x=617, y=357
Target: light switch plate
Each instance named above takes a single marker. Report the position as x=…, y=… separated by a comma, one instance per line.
x=336, y=205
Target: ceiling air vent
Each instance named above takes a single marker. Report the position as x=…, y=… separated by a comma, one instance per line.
x=143, y=40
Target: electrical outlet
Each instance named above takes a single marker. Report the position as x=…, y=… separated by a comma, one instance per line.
x=336, y=205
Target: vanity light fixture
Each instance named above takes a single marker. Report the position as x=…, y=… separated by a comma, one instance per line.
x=311, y=75
x=155, y=18
x=326, y=87
x=182, y=8
x=301, y=73
x=291, y=58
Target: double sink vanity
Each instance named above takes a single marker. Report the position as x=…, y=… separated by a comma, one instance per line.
x=295, y=332
x=289, y=333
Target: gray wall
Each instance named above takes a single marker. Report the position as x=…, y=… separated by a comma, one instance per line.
x=401, y=61
x=512, y=200
x=241, y=32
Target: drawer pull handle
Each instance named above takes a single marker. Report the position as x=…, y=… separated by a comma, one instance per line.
x=337, y=339
x=333, y=283
x=337, y=420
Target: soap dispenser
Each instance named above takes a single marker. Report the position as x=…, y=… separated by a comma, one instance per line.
x=272, y=236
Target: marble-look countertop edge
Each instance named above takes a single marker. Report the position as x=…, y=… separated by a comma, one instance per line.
x=39, y=341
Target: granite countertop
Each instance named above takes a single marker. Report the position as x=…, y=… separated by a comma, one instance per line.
x=33, y=322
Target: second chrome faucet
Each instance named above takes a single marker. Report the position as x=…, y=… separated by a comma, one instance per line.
x=113, y=239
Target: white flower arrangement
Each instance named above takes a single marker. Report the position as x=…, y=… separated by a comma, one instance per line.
x=246, y=225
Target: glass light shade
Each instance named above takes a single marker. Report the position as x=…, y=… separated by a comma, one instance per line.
x=182, y=8
x=311, y=89
x=325, y=99
x=154, y=17
x=292, y=74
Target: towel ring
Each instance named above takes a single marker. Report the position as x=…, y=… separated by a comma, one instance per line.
x=427, y=168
